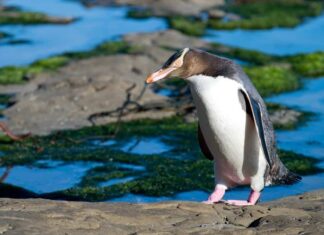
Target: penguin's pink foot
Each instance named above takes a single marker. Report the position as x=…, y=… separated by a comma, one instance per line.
x=217, y=195
x=253, y=199
x=238, y=203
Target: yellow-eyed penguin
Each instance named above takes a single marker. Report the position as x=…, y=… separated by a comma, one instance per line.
x=234, y=128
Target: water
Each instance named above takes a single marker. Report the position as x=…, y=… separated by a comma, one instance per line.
x=305, y=38
x=94, y=26
x=51, y=177
x=146, y=146
x=152, y=145
x=307, y=139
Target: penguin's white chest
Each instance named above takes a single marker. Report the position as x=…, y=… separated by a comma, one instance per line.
x=228, y=130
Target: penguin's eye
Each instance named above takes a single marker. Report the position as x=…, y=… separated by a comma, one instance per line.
x=173, y=60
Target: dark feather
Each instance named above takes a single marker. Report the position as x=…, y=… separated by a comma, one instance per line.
x=203, y=145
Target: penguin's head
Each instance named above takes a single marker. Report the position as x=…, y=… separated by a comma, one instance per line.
x=189, y=62
x=175, y=66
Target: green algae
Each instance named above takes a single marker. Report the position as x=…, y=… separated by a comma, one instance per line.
x=183, y=168
x=269, y=14
x=308, y=65
x=299, y=163
x=138, y=13
x=253, y=57
x=11, y=15
x=187, y=25
x=272, y=79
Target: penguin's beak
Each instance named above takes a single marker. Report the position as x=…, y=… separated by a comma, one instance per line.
x=160, y=74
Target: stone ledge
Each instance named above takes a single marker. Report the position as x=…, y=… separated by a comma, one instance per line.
x=292, y=215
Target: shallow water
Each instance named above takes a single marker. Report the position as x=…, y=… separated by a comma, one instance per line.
x=307, y=37
x=94, y=26
x=50, y=176
x=309, y=138
x=145, y=146
x=142, y=146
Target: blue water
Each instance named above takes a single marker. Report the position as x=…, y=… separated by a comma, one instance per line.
x=307, y=37
x=94, y=26
x=309, y=138
x=146, y=146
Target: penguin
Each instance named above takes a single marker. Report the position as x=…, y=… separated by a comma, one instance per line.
x=234, y=128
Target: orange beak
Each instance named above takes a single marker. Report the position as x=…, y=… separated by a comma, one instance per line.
x=160, y=74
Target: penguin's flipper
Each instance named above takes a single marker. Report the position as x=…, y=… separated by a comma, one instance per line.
x=255, y=111
x=203, y=145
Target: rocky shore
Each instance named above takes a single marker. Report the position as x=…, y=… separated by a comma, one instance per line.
x=163, y=7
x=103, y=84
x=302, y=214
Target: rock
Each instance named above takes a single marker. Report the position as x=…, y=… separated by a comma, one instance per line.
x=285, y=117
x=216, y=14
x=65, y=99
x=164, y=7
x=293, y=215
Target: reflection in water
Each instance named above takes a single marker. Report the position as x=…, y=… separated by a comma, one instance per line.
x=146, y=146
x=5, y=174
x=151, y=145
x=95, y=25
x=116, y=181
x=307, y=37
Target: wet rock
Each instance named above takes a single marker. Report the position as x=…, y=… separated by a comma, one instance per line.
x=216, y=14
x=164, y=7
x=290, y=215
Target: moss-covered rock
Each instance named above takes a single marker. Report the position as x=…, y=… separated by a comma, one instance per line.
x=9, y=15
x=268, y=14
x=299, y=163
x=308, y=65
x=272, y=79
x=187, y=25
x=253, y=57
x=139, y=13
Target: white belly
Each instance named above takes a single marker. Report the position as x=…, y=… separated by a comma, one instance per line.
x=228, y=130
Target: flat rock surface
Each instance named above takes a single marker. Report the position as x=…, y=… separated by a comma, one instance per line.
x=164, y=7
x=302, y=214
x=65, y=99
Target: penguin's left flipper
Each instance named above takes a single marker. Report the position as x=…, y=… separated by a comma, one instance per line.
x=253, y=108
x=203, y=145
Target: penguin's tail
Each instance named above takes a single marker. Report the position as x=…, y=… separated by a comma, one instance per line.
x=284, y=176
x=290, y=178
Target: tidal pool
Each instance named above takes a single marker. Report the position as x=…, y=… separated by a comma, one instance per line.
x=138, y=145
x=94, y=25
x=309, y=138
x=48, y=176
x=304, y=38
